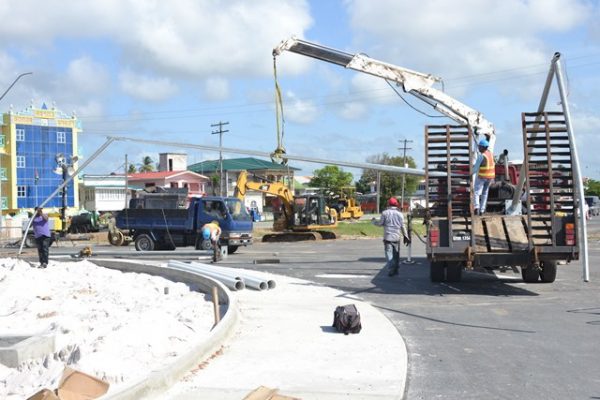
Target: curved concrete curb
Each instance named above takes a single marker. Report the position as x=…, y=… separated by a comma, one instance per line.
x=161, y=380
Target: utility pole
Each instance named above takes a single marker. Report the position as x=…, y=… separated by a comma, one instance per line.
x=126, y=180
x=404, y=148
x=220, y=132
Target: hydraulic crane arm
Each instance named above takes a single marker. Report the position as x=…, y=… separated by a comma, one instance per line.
x=416, y=83
x=275, y=188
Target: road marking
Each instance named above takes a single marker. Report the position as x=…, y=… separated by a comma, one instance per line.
x=451, y=287
x=336, y=276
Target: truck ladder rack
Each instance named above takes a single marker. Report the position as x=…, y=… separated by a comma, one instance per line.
x=448, y=149
x=549, y=172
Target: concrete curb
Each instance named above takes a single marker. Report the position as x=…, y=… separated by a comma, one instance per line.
x=161, y=380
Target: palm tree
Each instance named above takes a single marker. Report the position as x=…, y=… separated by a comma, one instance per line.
x=147, y=164
x=132, y=169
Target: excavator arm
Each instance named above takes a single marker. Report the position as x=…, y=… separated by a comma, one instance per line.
x=274, y=188
x=415, y=83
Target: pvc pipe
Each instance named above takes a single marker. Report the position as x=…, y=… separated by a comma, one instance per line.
x=250, y=281
x=231, y=283
x=244, y=275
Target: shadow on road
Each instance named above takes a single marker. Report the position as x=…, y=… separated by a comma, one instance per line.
x=414, y=279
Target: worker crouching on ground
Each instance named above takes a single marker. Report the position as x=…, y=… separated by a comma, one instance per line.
x=392, y=221
x=485, y=171
x=43, y=238
x=212, y=232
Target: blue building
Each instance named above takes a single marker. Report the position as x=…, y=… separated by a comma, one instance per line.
x=30, y=144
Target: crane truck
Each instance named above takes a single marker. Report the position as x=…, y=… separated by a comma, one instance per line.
x=303, y=217
x=536, y=239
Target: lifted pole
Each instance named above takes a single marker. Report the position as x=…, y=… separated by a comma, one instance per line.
x=577, y=171
x=63, y=185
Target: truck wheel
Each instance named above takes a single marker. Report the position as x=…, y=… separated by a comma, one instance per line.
x=548, y=272
x=144, y=243
x=436, y=271
x=530, y=274
x=116, y=238
x=454, y=271
x=30, y=241
x=232, y=249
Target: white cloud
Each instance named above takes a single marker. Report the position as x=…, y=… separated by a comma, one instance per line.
x=298, y=110
x=191, y=38
x=146, y=87
x=216, y=89
x=467, y=38
x=87, y=76
x=353, y=110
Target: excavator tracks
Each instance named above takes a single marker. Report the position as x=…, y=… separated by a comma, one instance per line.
x=298, y=236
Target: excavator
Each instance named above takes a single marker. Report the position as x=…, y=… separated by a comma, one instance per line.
x=305, y=217
x=457, y=237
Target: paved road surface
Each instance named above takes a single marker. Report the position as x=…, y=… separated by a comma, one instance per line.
x=490, y=336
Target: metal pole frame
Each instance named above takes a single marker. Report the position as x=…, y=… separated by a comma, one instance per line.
x=63, y=185
x=556, y=71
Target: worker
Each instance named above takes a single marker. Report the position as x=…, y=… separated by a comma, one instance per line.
x=212, y=232
x=43, y=238
x=485, y=173
x=392, y=221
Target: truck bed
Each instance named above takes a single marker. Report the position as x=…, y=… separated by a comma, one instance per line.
x=139, y=218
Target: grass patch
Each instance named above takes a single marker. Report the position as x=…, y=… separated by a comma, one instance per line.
x=367, y=229
x=354, y=228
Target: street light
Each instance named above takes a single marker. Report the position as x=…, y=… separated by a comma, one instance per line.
x=64, y=169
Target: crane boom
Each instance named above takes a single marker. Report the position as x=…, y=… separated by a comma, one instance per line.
x=416, y=83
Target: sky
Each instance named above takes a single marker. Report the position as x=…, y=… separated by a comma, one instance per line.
x=168, y=70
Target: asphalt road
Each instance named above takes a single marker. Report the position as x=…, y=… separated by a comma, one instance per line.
x=489, y=336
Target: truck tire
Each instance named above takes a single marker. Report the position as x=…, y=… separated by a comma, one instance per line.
x=116, y=238
x=530, y=274
x=454, y=271
x=548, y=272
x=232, y=249
x=144, y=242
x=437, y=271
x=30, y=241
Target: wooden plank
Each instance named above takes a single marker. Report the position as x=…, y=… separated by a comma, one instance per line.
x=496, y=236
x=517, y=235
x=261, y=393
x=479, y=235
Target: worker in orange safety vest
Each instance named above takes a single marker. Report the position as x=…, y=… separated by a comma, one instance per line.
x=485, y=171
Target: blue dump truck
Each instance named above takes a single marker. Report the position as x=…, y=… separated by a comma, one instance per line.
x=168, y=228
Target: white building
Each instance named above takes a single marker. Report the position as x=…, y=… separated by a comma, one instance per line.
x=103, y=193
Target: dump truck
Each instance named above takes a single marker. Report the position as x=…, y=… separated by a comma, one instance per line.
x=166, y=229
x=535, y=237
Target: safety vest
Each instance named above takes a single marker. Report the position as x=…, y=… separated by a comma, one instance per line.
x=487, y=169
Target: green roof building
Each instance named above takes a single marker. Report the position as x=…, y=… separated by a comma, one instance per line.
x=258, y=170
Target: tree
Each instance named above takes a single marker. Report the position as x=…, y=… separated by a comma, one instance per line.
x=593, y=188
x=331, y=178
x=131, y=169
x=147, y=164
x=391, y=183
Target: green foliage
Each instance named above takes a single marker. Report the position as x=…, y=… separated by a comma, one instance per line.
x=147, y=164
x=331, y=178
x=131, y=169
x=391, y=183
x=593, y=188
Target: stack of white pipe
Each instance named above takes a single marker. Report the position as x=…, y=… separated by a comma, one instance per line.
x=233, y=278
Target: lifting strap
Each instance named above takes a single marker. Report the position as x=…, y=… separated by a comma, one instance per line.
x=277, y=155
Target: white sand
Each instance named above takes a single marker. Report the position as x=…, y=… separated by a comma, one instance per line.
x=113, y=325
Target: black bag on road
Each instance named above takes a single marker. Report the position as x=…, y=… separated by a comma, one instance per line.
x=346, y=319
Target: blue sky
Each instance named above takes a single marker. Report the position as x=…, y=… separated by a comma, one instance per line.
x=168, y=70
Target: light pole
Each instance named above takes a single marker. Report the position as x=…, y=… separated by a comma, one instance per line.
x=65, y=169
